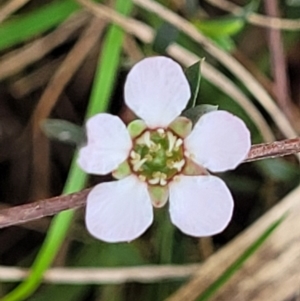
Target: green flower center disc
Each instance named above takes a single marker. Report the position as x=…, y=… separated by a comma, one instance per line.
x=157, y=156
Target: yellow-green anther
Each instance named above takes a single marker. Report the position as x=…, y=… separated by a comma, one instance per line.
x=156, y=174
x=170, y=163
x=149, y=157
x=154, y=147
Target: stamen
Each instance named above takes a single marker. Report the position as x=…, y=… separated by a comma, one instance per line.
x=149, y=157
x=154, y=181
x=138, y=164
x=172, y=140
x=156, y=174
x=135, y=155
x=147, y=139
x=158, y=178
x=155, y=151
x=179, y=164
x=161, y=132
x=170, y=163
x=178, y=143
x=142, y=178
x=154, y=147
x=169, y=154
x=163, y=182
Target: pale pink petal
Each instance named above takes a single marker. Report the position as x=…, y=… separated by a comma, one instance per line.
x=108, y=144
x=200, y=205
x=219, y=141
x=119, y=211
x=157, y=91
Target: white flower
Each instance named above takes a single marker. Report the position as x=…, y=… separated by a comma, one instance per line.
x=160, y=158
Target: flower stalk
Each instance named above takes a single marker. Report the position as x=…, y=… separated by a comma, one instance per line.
x=29, y=212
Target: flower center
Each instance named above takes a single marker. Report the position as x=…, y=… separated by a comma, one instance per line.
x=157, y=156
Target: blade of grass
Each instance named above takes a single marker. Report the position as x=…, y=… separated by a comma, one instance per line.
x=54, y=239
x=108, y=65
x=22, y=28
x=216, y=285
x=102, y=87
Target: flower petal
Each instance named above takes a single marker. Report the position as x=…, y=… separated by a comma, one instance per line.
x=200, y=205
x=108, y=144
x=157, y=90
x=219, y=141
x=119, y=211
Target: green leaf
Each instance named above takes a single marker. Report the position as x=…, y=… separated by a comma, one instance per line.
x=293, y=2
x=64, y=131
x=165, y=35
x=225, y=42
x=217, y=284
x=279, y=170
x=250, y=8
x=225, y=26
x=193, y=75
x=195, y=113
x=22, y=28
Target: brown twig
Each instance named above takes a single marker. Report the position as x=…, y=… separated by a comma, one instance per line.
x=48, y=100
x=117, y=275
x=257, y=19
x=28, y=83
x=10, y=7
x=273, y=149
x=16, y=60
x=28, y=212
x=279, y=69
x=66, y=71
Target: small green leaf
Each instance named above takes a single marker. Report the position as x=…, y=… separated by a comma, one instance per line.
x=64, y=131
x=195, y=113
x=217, y=284
x=165, y=35
x=226, y=26
x=225, y=42
x=193, y=75
x=250, y=8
